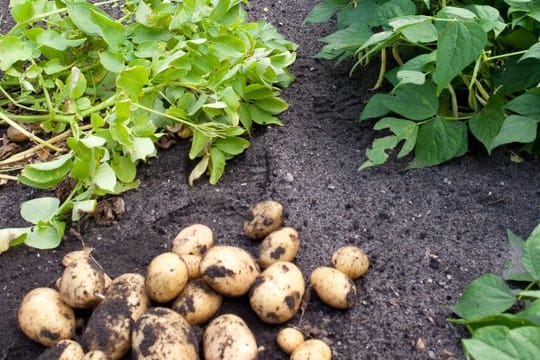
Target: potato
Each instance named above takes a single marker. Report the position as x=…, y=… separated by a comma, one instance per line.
x=277, y=293
x=45, y=318
x=76, y=255
x=164, y=334
x=15, y=135
x=312, y=349
x=280, y=245
x=267, y=217
x=83, y=283
x=195, y=239
x=229, y=337
x=229, y=270
x=193, y=265
x=109, y=327
x=166, y=277
x=351, y=261
x=333, y=287
x=198, y=302
x=288, y=339
x=63, y=350
x=95, y=355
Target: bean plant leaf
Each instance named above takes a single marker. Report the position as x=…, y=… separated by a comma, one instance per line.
x=439, y=140
x=502, y=343
x=513, y=267
x=486, y=124
x=532, y=53
x=516, y=128
x=530, y=257
x=415, y=102
x=458, y=45
x=324, y=11
x=527, y=104
x=487, y=295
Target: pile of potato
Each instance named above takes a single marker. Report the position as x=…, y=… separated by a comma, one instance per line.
x=156, y=315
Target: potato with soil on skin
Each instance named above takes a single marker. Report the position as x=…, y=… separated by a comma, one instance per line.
x=164, y=334
x=193, y=263
x=195, y=239
x=229, y=270
x=288, y=339
x=229, y=337
x=312, y=349
x=95, y=355
x=267, y=216
x=45, y=318
x=110, y=325
x=280, y=245
x=76, y=255
x=198, y=302
x=63, y=350
x=83, y=283
x=350, y=260
x=166, y=276
x=333, y=287
x=277, y=293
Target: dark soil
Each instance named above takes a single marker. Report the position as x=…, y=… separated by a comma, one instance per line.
x=428, y=232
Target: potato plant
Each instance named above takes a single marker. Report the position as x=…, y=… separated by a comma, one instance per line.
x=448, y=68
x=94, y=94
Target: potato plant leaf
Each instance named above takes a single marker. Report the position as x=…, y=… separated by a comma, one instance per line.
x=39, y=209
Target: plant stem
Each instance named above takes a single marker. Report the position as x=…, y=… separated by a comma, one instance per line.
x=14, y=102
x=454, y=102
x=28, y=133
x=502, y=56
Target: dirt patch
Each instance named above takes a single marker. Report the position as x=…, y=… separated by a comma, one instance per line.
x=428, y=232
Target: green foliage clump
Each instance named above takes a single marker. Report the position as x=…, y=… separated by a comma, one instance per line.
x=103, y=91
x=453, y=68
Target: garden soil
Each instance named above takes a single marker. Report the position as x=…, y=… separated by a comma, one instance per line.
x=427, y=232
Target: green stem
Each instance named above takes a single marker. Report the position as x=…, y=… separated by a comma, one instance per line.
x=15, y=102
x=27, y=133
x=453, y=98
x=502, y=56
x=67, y=202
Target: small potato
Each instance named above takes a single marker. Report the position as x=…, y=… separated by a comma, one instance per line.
x=267, y=217
x=63, y=350
x=95, y=355
x=277, y=293
x=15, y=135
x=351, y=261
x=110, y=325
x=76, y=255
x=229, y=270
x=195, y=239
x=165, y=335
x=313, y=349
x=333, y=287
x=198, y=302
x=229, y=337
x=83, y=283
x=45, y=318
x=280, y=245
x=166, y=277
x=193, y=265
x=288, y=339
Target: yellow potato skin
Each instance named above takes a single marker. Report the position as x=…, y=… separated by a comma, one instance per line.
x=267, y=216
x=313, y=349
x=288, y=339
x=350, y=260
x=280, y=245
x=166, y=277
x=333, y=287
x=229, y=337
x=195, y=239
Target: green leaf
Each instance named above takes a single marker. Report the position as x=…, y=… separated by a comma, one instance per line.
x=530, y=257
x=143, y=148
x=532, y=53
x=56, y=41
x=415, y=102
x=416, y=29
x=105, y=177
x=124, y=168
x=459, y=44
x=486, y=124
x=509, y=320
x=11, y=237
x=198, y=143
x=439, y=140
x=113, y=62
x=46, y=235
x=232, y=145
x=199, y=170
x=501, y=343
x=262, y=117
x=376, y=154
x=86, y=206
x=40, y=209
x=217, y=164
x=324, y=11
x=392, y=9
x=516, y=128
x=351, y=37
x=527, y=104
x=487, y=295
x=132, y=80
x=75, y=83
x=12, y=50
x=48, y=174
x=273, y=105
x=375, y=107
x=513, y=268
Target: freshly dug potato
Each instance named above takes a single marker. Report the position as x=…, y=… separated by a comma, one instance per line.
x=166, y=277
x=288, y=339
x=63, y=350
x=277, y=293
x=76, y=255
x=109, y=327
x=83, y=283
x=45, y=318
x=313, y=349
x=267, y=217
x=95, y=355
x=229, y=337
x=229, y=270
x=198, y=302
x=165, y=335
x=333, y=287
x=280, y=245
x=350, y=260
x=193, y=265
x=195, y=239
